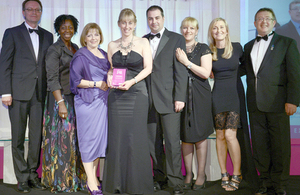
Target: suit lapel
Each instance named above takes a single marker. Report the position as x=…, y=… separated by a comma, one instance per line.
x=41, y=38
x=27, y=39
x=269, y=51
x=163, y=41
x=294, y=32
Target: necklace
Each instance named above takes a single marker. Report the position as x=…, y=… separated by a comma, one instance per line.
x=190, y=49
x=128, y=47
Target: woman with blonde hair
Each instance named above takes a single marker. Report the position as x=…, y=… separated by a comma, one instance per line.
x=226, y=106
x=128, y=164
x=197, y=121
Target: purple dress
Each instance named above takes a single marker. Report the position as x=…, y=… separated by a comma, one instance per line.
x=90, y=103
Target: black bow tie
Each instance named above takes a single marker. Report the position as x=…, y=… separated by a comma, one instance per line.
x=258, y=38
x=33, y=30
x=152, y=36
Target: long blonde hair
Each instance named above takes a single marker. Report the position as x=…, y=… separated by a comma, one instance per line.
x=212, y=42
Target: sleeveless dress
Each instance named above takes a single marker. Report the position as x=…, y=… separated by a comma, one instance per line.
x=127, y=166
x=197, y=121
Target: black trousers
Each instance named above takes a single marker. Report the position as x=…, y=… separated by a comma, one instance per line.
x=166, y=163
x=270, y=133
x=19, y=113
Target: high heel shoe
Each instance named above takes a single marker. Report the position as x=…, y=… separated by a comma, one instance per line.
x=198, y=187
x=94, y=192
x=188, y=186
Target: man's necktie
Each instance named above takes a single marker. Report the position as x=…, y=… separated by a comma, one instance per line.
x=152, y=36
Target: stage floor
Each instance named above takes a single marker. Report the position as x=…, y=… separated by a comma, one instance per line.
x=212, y=188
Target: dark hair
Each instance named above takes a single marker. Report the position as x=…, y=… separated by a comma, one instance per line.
x=61, y=20
x=24, y=3
x=266, y=9
x=155, y=7
x=294, y=2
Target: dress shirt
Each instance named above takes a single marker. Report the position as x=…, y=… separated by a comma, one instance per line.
x=34, y=39
x=258, y=52
x=155, y=42
x=297, y=26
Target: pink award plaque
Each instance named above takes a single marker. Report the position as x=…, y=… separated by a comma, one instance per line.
x=119, y=75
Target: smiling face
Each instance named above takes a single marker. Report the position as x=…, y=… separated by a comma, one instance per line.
x=219, y=31
x=295, y=12
x=127, y=26
x=92, y=39
x=66, y=31
x=32, y=13
x=189, y=32
x=264, y=22
x=155, y=21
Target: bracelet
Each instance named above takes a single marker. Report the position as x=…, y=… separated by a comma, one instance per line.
x=60, y=101
x=94, y=83
x=189, y=66
x=135, y=80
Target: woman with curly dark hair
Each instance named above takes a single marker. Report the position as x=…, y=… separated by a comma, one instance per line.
x=62, y=167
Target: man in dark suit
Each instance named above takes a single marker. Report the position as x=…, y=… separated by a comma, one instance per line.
x=167, y=87
x=23, y=89
x=292, y=28
x=272, y=66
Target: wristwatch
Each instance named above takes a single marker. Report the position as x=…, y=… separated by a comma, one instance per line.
x=189, y=66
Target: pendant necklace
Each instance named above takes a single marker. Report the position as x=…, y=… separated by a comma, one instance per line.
x=128, y=47
x=189, y=49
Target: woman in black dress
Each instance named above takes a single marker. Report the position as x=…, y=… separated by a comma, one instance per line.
x=197, y=122
x=226, y=105
x=127, y=166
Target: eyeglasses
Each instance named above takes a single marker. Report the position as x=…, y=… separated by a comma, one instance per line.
x=30, y=10
x=296, y=8
x=264, y=19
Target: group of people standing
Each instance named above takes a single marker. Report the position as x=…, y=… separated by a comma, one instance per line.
x=165, y=99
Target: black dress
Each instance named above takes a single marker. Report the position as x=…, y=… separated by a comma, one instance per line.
x=225, y=95
x=197, y=121
x=128, y=164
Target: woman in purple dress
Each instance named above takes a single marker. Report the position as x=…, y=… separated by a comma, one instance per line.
x=88, y=72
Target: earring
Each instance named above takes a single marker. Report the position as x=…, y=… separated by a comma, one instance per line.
x=196, y=38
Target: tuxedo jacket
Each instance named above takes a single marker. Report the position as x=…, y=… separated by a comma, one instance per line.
x=168, y=81
x=278, y=78
x=289, y=30
x=20, y=71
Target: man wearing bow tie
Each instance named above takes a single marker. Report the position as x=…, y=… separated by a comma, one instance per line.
x=23, y=89
x=272, y=66
x=167, y=86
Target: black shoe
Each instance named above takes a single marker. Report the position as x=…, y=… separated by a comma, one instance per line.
x=178, y=190
x=156, y=186
x=280, y=192
x=23, y=187
x=35, y=183
x=261, y=190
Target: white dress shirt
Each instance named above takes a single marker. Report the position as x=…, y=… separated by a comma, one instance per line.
x=155, y=42
x=34, y=40
x=258, y=52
